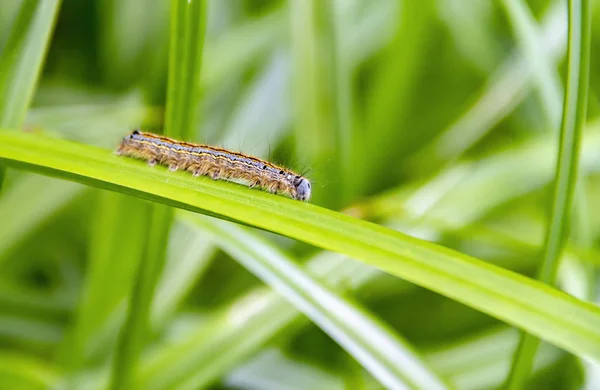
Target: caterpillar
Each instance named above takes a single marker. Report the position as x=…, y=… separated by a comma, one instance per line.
x=216, y=163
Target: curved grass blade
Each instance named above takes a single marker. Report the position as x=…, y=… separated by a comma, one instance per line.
x=520, y=301
x=381, y=352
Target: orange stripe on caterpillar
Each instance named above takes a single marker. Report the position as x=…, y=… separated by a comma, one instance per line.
x=217, y=163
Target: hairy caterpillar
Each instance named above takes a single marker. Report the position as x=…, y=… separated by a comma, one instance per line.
x=216, y=163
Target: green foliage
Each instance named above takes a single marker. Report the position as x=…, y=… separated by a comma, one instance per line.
x=429, y=130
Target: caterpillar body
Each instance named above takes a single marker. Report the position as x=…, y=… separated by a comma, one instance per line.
x=216, y=163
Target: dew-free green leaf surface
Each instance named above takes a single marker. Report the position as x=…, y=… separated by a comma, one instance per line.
x=515, y=299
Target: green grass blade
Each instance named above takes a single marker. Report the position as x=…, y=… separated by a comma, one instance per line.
x=518, y=300
x=137, y=327
x=188, y=24
x=379, y=350
x=550, y=94
x=574, y=114
x=313, y=117
x=188, y=20
x=22, y=58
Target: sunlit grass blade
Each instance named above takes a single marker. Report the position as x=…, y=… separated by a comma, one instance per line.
x=379, y=350
x=515, y=299
x=574, y=115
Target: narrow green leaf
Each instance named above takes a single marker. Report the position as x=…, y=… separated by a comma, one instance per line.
x=550, y=94
x=316, y=143
x=137, y=327
x=378, y=349
x=188, y=24
x=574, y=115
x=518, y=300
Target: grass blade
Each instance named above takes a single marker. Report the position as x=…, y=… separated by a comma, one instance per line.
x=518, y=300
x=381, y=352
x=574, y=115
x=188, y=20
x=137, y=327
x=188, y=24
x=311, y=86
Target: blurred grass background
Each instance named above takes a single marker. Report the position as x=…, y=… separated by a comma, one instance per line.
x=430, y=117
